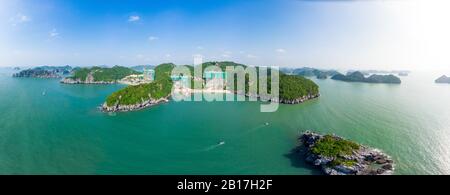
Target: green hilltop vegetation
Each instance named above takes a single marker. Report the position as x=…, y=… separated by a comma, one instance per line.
x=103, y=74
x=291, y=86
x=335, y=148
x=161, y=87
x=330, y=146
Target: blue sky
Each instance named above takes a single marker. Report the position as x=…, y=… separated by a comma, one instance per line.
x=293, y=33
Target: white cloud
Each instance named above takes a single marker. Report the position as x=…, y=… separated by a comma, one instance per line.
x=23, y=18
x=134, y=18
x=280, y=50
x=139, y=56
x=53, y=33
x=251, y=56
x=200, y=47
x=152, y=38
x=19, y=18
x=168, y=55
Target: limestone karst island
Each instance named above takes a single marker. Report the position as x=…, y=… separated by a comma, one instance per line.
x=203, y=95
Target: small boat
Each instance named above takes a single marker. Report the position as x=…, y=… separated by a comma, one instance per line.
x=43, y=93
x=267, y=124
x=221, y=143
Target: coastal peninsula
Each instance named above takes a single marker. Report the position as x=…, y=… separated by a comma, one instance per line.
x=359, y=77
x=338, y=156
x=136, y=97
x=293, y=89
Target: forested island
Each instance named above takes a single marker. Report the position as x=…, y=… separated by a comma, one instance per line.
x=293, y=89
x=359, y=77
x=443, y=79
x=44, y=72
x=338, y=156
x=369, y=72
x=310, y=72
x=142, y=96
x=98, y=75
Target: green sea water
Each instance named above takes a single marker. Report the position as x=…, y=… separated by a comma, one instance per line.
x=50, y=128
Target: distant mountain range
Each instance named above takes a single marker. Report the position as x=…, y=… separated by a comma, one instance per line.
x=309, y=72
x=140, y=68
x=369, y=72
x=45, y=72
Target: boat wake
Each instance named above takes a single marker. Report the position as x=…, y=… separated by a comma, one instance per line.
x=255, y=129
x=221, y=143
x=212, y=147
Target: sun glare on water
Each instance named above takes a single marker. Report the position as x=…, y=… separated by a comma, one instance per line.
x=425, y=24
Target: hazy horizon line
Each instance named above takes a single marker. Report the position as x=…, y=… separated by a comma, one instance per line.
x=352, y=68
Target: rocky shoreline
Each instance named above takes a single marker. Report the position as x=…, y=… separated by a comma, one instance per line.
x=87, y=81
x=299, y=100
x=126, y=108
x=149, y=103
x=286, y=101
x=361, y=161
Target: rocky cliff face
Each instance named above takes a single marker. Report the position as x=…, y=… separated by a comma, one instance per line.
x=89, y=80
x=299, y=100
x=283, y=101
x=125, y=108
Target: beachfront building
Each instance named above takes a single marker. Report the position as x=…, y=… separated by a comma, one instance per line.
x=149, y=74
x=215, y=80
x=134, y=79
x=209, y=75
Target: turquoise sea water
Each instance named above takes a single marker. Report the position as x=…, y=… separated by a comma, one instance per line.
x=50, y=128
